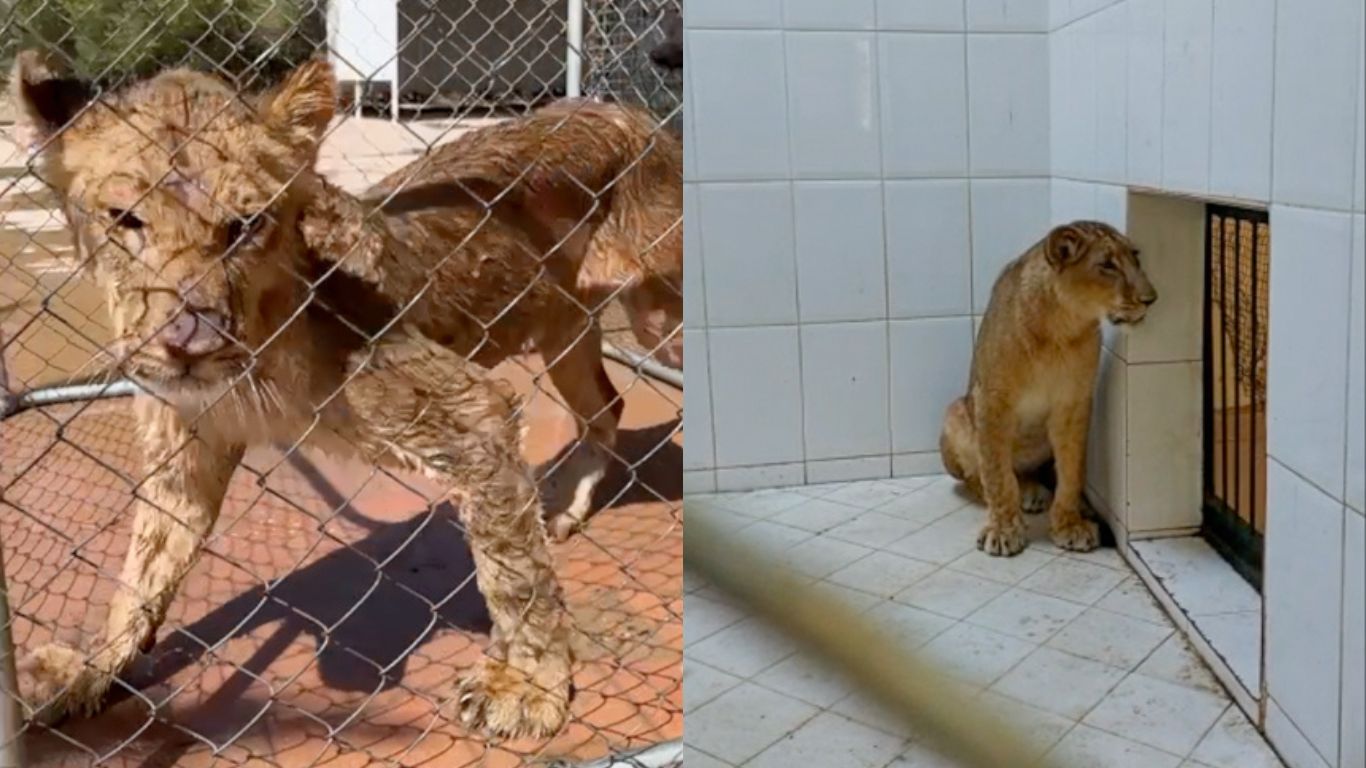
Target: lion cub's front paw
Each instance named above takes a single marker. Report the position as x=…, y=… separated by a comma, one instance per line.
x=51, y=679
x=1004, y=539
x=1078, y=535
x=505, y=702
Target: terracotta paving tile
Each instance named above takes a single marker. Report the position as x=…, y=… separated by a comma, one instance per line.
x=263, y=657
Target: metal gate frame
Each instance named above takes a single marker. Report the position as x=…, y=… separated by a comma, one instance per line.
x=1236, y=539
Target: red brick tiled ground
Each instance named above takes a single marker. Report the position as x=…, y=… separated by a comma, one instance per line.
x=312, y=637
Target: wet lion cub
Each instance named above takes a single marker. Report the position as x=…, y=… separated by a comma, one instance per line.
x=1033, y=371
x=185, y=204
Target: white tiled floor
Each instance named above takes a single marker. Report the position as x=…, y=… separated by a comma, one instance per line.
x=1220, y=604
x=1070, y=647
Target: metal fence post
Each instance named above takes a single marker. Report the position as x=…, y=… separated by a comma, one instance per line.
x=11, y=715
x=11, y=718
x=573, y=62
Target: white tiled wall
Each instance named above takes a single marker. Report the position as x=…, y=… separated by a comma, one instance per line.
x=1303, y=669
x=1252, y=100
x=859, y=170
x=841, y=158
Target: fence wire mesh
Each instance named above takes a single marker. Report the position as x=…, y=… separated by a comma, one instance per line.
x=356, y=307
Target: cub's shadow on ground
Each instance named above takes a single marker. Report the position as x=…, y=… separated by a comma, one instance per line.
x=368, y=605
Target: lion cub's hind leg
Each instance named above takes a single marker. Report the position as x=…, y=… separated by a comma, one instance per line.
x=958, y=446
x=1032, y=468
x=422, y=407
x=1034, y=495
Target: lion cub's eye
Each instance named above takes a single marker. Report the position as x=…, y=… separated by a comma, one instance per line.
x=1109, y=266
x=124, y=219
x=245, y=227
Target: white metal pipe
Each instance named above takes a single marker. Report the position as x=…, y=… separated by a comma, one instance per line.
x=573, y=60
x=643, y=364
x=77, y=391
x=65, y=393
x=668, y=754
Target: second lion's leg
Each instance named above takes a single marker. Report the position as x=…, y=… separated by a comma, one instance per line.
x=1067, y=430
x=655, y=308
x=573, y=353
x=1004, y=533
x=174, y=510
x=423, y=407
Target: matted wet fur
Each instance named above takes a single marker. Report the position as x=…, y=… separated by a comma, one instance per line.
x=598, y=192
x=185, y=204
x=1033, y=372
x=603, y=180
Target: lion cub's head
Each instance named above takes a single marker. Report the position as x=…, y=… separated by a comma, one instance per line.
x=183, y=201
x=1098, y=271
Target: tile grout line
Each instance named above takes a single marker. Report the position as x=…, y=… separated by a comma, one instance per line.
x=705, y=328
x=1346, y=409
x=791, y=182
x=967, y=170
x=1204, y=735
x=1209, y=99
x=875, y=53
x=1302, y=478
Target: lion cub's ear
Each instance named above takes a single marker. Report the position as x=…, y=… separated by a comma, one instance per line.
x=1064, y=245
x=303, y=105
x=44, y=98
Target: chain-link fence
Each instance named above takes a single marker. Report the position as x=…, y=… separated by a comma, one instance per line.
x=289, y=386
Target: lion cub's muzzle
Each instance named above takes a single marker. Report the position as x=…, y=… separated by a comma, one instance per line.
x=1134, y=312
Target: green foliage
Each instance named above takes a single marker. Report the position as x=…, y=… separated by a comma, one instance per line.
x=112, y=41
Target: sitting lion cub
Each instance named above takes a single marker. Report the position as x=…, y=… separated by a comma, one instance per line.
x=185, y=204
x=1033, y=370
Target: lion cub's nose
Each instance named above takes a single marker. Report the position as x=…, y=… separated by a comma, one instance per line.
x=191, y=334
x=1148, y=298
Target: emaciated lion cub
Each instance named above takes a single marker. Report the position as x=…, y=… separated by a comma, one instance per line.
x=598, y=193
x=1033, y=371
x=185, y=204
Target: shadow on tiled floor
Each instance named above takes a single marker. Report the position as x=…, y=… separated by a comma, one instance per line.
x=1069, y=646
